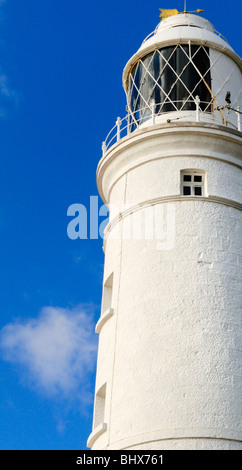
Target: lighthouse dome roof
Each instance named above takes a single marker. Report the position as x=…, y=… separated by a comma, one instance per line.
x=181, y=29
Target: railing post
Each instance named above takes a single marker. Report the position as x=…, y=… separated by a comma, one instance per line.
x=238, y=118
x=197, y=102
x=104, y=148
x=153, y=111
x=118, y=123
x=128, y=123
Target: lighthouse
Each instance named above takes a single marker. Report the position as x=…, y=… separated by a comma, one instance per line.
x=169, y=355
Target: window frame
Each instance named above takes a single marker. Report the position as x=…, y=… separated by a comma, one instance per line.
x=192, y=184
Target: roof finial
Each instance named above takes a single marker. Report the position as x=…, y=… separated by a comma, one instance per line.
x=185, y=6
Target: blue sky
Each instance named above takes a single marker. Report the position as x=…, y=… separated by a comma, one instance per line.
x=61, y=65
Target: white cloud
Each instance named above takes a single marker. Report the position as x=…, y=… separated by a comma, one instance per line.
x=57, y=349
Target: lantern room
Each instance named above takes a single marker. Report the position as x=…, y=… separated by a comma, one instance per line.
x=184, y=67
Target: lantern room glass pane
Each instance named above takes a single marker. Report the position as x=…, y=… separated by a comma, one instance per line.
x=172, y=77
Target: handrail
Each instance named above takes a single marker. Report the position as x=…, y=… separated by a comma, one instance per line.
x=133, y=119
x=153, y=33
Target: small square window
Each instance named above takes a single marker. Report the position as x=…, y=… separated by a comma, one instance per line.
x=186, y=190
x=193, y=183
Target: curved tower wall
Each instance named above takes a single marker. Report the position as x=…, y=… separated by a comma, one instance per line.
x=169, y=361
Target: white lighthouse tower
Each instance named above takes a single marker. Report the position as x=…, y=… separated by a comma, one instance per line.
x=169, y=358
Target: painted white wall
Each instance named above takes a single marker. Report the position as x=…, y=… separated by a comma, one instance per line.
x=170, y=352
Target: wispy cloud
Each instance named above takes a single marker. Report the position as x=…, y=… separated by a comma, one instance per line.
x=8, y=96
x=55, y=351
x=4, y=87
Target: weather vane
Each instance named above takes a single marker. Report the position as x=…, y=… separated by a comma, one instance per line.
x=165, y=13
